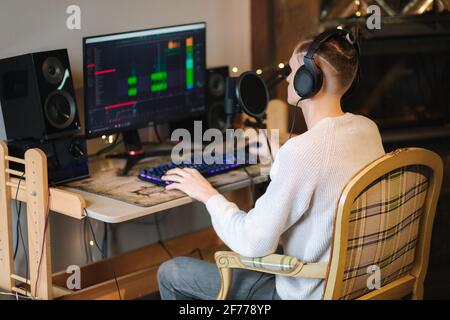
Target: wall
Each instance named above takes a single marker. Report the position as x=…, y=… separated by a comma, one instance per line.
x=29, y=26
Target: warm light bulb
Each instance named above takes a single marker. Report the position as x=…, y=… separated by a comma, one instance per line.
x=357, y=2
x=235, y=69
x=91, y=243
x=340, y=27
x=103, y=137
x=358, y=13
x=111, y=139
x=281, y=65
x=259, y=71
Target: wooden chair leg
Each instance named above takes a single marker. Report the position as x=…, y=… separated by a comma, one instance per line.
x=417, y=293
x=226, y=276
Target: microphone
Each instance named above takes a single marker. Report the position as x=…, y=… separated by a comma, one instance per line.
x=247, y=93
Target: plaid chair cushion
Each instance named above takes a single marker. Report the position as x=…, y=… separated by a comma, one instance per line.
x=383, y=229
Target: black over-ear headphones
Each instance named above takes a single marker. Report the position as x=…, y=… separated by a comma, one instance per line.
x=308, y=79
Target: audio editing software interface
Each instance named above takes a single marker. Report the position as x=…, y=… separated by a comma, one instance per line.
x=136, y=79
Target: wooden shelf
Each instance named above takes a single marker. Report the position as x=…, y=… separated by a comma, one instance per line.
x=61, y=201
x=136, y=270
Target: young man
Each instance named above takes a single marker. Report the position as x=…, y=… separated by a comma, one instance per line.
x=307, y=177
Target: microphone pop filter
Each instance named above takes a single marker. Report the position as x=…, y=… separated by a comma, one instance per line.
x=252, y=94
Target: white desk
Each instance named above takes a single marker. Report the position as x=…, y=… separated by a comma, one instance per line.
x=109, y=210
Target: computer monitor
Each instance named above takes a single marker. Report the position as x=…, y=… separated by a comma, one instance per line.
x=141, y=78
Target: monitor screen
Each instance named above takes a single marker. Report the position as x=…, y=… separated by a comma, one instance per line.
x=136, y=79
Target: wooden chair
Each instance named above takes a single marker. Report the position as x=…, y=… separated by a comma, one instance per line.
x=383, y=220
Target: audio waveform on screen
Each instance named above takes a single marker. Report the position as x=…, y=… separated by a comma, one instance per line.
x=98, y=73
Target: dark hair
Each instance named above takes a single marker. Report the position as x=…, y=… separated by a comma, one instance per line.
x=341, y=54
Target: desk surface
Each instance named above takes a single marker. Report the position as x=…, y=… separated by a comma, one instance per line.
x=110, y=210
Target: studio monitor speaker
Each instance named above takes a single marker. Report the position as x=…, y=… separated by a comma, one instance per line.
x=214, y=116
x=215, y=97
x=37, y=99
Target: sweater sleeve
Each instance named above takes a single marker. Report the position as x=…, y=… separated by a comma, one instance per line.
x=294, y=176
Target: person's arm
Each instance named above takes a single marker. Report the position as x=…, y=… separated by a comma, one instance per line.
x=257, y=232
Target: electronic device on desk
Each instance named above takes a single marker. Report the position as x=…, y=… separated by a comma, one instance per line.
x=38, y=110
x=229, y=162
x=37, y=97
x=67, y=158
x=138, y=79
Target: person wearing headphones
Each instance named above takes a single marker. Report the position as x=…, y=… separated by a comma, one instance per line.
x=307, y=178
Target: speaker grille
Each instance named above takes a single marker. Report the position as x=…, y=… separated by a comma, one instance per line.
x=60, y=109
x=53, y=70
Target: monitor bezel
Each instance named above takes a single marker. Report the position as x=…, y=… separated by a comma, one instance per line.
x=149, y=124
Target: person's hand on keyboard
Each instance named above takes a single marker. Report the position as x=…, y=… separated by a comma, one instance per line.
x=191, y=182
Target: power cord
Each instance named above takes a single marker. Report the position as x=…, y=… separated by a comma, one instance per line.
x=20, y=232
x=293, y=120
x=18, y=208
x=102, y=251
x=160, y=242
x=268, y=145
x=87, y=251
x=252, y=186
x=16, y=295
x=158, y=137
x=105, y=241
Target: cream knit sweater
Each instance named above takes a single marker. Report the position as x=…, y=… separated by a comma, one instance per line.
x=307, y=177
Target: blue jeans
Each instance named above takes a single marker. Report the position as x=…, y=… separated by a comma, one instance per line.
x=191, y=279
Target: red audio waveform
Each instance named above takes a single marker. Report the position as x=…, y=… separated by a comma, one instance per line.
x=120, y=105
x=97, y=73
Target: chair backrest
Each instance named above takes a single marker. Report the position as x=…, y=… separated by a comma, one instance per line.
x=383, y=227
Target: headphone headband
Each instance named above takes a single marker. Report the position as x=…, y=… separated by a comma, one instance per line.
x=321, y=39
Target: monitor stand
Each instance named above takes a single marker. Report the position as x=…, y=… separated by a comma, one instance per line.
x=134, y=151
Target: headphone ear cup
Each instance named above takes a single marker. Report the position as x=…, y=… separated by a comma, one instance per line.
x=303, y=82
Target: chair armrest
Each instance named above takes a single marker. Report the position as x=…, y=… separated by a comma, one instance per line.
x=273, y=264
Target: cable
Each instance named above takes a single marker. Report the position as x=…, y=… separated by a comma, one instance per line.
x=16, y=295
x=20, y=232
x=158, y=231
x=158, y=137
x=85, y=246
x=18, y=212
x=105, y=241
x=252, y=186
x=268, y=145
x=293, y=120
x=101, y=250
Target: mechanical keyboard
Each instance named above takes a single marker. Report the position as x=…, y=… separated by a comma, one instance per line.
x=154, y=174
